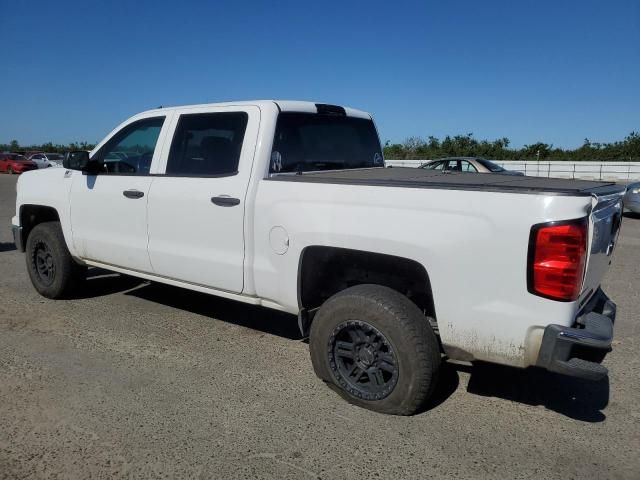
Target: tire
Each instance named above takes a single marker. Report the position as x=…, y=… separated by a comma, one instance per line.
x=52, y=270
x=394, y=349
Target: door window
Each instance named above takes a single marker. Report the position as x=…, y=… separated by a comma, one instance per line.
x=207, y=144
x=467, y=166
x=434, y=166
x=130, y=151
x=453, y=166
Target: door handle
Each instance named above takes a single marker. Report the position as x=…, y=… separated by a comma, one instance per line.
x=223, y=201
x=133, y=194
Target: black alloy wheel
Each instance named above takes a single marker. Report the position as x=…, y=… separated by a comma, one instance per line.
x=45, y=263
x=362, y=360
x=52, y=270
x=376, y=349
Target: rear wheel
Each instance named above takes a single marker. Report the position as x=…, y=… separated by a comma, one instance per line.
x=52, y=270
x=376, y=348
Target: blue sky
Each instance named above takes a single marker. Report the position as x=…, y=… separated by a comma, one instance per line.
x=531, y=70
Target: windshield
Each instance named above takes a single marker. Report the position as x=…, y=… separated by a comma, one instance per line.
x=308, y=141
x=15, y=156
x=490, y=165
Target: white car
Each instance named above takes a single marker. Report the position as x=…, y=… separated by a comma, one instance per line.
x=632, y=198
x=287, y=205
x=45, y=160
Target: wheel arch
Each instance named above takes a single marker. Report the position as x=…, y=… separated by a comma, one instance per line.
x=31, y=215
x=326, y=270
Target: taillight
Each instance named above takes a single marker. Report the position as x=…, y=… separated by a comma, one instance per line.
x=557, y=258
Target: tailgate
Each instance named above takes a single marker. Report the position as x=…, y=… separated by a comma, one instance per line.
x=604, y=220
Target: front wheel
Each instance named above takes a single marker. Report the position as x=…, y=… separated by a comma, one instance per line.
x=376, y=348
x=52, y=270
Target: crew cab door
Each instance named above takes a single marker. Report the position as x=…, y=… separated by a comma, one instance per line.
x=109, y=210
x=196, y=208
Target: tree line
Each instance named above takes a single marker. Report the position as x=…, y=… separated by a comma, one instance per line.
x=451, y=146
x=49, y=147
x=467, y=146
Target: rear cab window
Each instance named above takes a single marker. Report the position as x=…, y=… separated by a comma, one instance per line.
x=307, y=142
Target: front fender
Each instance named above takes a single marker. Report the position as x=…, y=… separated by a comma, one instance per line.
x=49, y=187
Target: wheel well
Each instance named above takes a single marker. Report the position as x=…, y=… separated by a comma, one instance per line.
x=32, y=215
x=325, y=271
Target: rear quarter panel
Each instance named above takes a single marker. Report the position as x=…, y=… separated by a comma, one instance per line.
x=472, y=244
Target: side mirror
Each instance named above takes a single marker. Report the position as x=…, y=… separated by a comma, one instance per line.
x=77, y=160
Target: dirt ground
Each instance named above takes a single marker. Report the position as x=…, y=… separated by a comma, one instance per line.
x=142, y=380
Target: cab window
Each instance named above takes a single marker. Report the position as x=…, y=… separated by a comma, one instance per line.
x=207, y=144
x=130, y=151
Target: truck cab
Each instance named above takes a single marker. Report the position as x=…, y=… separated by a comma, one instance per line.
x=288, y=205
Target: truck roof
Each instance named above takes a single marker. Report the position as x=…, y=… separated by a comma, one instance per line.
x=283, y=105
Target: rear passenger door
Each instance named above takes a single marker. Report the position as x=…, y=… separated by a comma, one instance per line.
x=196, y=206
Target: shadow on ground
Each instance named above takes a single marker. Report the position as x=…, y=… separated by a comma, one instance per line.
x=7, y=246
x=102, y=282
x=572, y=397
x=577, y=399
x=448, y=383
x=250, y=316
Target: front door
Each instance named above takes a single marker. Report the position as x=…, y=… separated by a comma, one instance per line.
x=109, y=210
x=196, y=209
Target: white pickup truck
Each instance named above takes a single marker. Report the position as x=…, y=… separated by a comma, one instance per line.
x=288, y=205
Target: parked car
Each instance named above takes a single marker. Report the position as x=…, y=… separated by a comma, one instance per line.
x=467, y=164
x=288, y=205
x=632, y=198
x=15, y=163
x=45, y=160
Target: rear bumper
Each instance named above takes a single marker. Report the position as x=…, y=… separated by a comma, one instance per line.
x=577, y=351
x=17, y=237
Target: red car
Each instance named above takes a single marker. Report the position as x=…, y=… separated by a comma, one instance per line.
x=15, y=163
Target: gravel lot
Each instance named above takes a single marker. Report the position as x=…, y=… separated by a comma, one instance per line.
x=142, y=380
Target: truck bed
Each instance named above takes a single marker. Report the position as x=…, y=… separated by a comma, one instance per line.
x=420, y=178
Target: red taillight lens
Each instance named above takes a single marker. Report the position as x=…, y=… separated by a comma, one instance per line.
x=557, y=257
